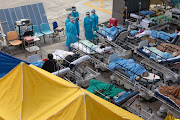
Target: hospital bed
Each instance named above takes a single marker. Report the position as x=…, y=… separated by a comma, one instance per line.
x=159, y=36
x=152, y=79
x=167, y=66
x=119, y=97
x=154, y=23
x=169, y=100
x=95, y=52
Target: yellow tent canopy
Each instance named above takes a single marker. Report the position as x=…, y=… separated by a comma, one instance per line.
x=30, y=93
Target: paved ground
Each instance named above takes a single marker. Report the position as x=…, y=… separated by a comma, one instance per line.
x=57, y=10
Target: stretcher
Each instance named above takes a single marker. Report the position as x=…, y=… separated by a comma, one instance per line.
x=170, y=98
x=159, y=36
x=131, y=73
x=119, y=97
x=155, y=23
x=169, y=67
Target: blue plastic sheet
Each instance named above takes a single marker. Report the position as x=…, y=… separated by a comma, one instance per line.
x=7, y=63
x=129, y=65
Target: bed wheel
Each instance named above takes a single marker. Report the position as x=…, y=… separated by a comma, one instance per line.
x=114, y=82
x=160, y=114
x=140, y=99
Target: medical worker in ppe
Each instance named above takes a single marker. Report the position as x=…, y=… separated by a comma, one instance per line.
x=67, y=20
x=94, y=18
x=71, y=32
x=88, y=27
x=75, y=14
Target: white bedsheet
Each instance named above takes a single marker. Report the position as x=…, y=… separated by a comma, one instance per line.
x=61, y=54
x=81, y=59
x=152, y=77
x=61, y=72
x=87, y=50
x=146, y=32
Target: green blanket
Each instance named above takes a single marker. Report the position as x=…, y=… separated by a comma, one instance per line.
x=160, y=18
x=89, y=44
x=110, y=90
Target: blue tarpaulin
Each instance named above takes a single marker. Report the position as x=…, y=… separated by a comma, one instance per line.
x=7, y=63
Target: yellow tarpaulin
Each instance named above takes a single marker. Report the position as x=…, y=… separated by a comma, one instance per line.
x=30, y=93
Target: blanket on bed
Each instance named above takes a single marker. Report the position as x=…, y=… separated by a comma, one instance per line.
x=108, y=90
x=111, y=32
x=172, y=92
x=157, y=54
x=170, y=48
x=144, y=13
x=130, y=67
x=89, y=44
x=163, y=35
x=161, y=18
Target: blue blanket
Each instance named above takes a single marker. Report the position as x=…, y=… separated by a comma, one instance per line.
x=155, y=54
x=121, y=97
x=111, y=32
x=133, y=32
x=144, y=13
x=163, y=35
x=130, y=67
x=38, y=63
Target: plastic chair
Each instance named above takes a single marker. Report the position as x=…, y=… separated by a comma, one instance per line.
x=12, y=38
x=45, y=29
x=36, y=30
x=56, y=28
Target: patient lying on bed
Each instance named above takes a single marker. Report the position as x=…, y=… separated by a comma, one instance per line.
x=129, y=66
x=170, y=93
x=90, y=48
x=158, y=34
x=157, y=54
